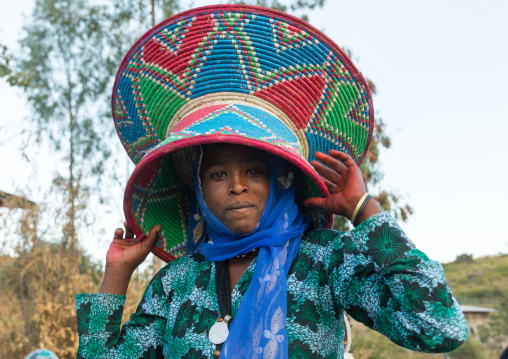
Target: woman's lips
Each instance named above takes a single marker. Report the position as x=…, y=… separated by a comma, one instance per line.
x=240, y=205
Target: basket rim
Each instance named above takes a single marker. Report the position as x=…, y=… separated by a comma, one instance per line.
x=346, y=61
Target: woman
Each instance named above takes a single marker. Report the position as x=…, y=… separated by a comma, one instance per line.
x=225, y=110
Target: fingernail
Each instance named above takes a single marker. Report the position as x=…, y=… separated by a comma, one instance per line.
x=158, y=228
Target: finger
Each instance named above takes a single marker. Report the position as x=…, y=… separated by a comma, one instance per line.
x=326, y=172
x=118, y=233
x=331, y=186
x=150, y=240
x=343, y=157
x=128, y=231
x=331, y=162
x=126, y=241
x=316, y=202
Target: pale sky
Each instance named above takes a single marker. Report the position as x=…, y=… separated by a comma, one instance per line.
x=441, y=72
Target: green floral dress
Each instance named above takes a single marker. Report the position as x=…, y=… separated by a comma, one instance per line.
x=374, y=273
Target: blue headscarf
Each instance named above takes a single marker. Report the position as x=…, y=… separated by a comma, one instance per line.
x=259, y=328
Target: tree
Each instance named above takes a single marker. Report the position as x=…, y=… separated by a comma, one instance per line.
x=67, y=67
x=464, y=258
x=13, y=78
x=298, y=5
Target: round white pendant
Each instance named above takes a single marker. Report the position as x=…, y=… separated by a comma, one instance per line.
x=218, y=332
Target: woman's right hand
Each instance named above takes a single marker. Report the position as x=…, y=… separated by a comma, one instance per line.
x=129, y=252
x=124, y=256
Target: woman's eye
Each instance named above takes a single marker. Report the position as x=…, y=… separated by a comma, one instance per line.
x=218, y=174
x=254, y=171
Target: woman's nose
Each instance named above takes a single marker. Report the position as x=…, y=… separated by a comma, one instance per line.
x=238, y=184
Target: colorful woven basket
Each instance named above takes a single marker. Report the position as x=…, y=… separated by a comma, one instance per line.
x=236, y=74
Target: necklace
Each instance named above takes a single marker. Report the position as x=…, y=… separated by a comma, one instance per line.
x=248, y=255
x=220, y=329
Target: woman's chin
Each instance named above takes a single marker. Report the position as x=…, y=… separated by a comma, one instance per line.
x=242, y=229
x=241, y=224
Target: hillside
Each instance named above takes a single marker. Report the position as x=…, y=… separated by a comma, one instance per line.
x=481, y=282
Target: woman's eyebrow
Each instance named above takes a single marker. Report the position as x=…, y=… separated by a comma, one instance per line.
x=257, y=159
x=217, y=163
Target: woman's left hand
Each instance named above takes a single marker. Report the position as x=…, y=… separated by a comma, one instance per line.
x=344, y=181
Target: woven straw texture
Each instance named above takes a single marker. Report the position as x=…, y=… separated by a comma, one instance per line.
x=285, y=64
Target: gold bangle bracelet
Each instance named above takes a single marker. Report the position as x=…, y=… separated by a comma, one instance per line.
x=360, y=202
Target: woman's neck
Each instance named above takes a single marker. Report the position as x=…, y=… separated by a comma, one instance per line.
x=238, y=266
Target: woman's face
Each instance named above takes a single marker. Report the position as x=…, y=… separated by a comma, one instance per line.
x=235, y=181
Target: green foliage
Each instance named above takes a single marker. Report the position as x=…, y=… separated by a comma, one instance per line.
x=369, y=344
x=13, y=77
x=4, y=61
x=373, y=347
x=168, y=7
x=471, y=349
x=482, y=282
x=297, y=5
x=464, y=258
x=497, y=328
x=137, y=16
x=274, y=4
x=302, y=4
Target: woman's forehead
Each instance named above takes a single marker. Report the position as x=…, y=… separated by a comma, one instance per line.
x=221, y=153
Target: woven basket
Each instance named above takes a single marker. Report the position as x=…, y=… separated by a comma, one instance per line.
x=236, y=74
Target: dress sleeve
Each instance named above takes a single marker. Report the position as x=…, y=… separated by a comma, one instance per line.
x=380, y=278
x=99, y=318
